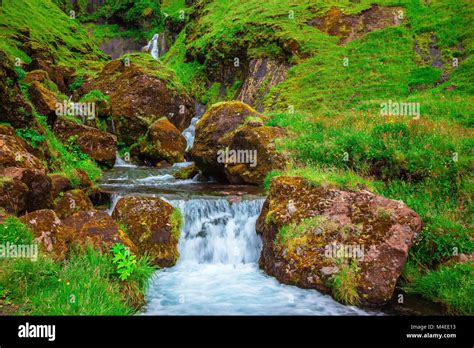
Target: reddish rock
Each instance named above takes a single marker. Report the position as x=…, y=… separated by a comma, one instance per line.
x=97, y=228
x=59, y=183
x=72, y=202
x=44, y=101
x=163, y=142
x=84, y=181
x=153, y=225
x=138, y=98
x=13, y=107
x=49, y=232
x=232, y=144
x=188, y=172
x=319, y=222
x=14, y=153
x=100, y=146
x=36, y=75
x=39, y=186
x=13, y=194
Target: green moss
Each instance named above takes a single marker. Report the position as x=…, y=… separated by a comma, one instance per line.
x=344, y=283
x=176, y=221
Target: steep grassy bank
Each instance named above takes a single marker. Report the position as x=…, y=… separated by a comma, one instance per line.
x=332, y=103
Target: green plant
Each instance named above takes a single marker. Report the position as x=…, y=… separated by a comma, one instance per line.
x=31, y=136
x=344, y=283
x=125, y=262
x=76, y=83
x=12, y=230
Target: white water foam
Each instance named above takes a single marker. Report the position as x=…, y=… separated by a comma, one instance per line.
x=217, y=272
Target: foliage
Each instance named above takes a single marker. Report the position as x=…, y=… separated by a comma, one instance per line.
x=450, y=284
x=124, y=261
x=13, y=231
x=31, y=136
x=344, y=283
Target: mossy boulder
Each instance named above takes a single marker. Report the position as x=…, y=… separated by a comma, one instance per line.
x=59, y=183
x=13, y=195
x=14, y=152
x=139, y=97
x=153, y=225
x=44, y=101
x=233, y=144
x=97, y=228
x=162, y=142
x=49, y=232
x=350, y=244
x=259, y=143
x=38, y=195
x=40, y=76
x=13, y=107
x=187, y=172
x=72, y=202
x=100, y=146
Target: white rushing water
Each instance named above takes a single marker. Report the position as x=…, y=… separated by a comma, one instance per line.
x=156, y=46
x=217, y=272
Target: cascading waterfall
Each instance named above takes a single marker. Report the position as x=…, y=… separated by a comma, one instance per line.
x=156, y=46
x=217, y=272
x=189, y=132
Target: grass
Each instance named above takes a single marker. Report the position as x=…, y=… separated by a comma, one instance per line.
x=343, y=283
x=86, y=283
x=51, y=30
x=450, y=284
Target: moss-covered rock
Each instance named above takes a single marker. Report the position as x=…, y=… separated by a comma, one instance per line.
x=49, y=232
x=44, y=101
x=138, y=98
x=38, y=195
x=59, y=183
x=351, y=244
x=13, y=195
x=232, y=143
x=13, y=107
x=100, y=146
x=72, y=202
x=162, y=142
x=97, y=228
x=153, y=225
x=14, y=152
x=187, y=172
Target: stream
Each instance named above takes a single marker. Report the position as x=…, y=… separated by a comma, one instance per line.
x=217, y=272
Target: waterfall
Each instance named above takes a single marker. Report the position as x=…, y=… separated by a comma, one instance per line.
x=156, y=46
x=217, y=231
x=119, y=162
x=217, y=271
x=189, y=132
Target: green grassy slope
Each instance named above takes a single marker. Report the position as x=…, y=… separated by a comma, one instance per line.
x=334, y=109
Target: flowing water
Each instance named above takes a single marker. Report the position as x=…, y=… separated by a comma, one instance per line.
x=217, y=272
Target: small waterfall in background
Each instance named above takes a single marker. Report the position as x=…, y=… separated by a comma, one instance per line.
x=156, y=46
x=217, y=271
x=189, y=132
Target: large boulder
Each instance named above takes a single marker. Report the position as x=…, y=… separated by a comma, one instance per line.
x=257, y=142
x=97, y=228
x=72, y=202
x=163, y=142
x=138, y=98
x=14, y=153
x=49, y=231
x=13, y=194
x=99, y=145
x=232, y=143
x=13, y=107
x=153, y=225
x=59, y=183
x=38, y=183
x=44, y=101
x=351, y=244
